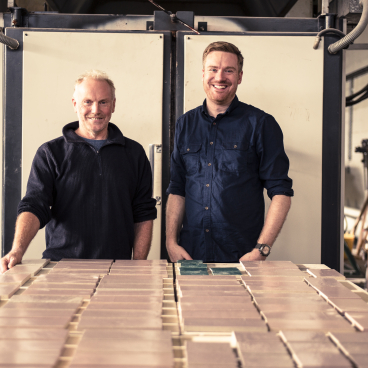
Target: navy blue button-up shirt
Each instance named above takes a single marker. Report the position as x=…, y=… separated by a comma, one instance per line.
x=221, y=166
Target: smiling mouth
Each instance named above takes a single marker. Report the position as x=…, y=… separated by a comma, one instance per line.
x=95, y=118
x=216, y=86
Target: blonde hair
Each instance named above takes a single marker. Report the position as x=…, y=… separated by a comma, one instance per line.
x=224, y=47
x=98, y=75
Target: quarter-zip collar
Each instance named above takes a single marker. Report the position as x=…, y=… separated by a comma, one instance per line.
x=114, y=134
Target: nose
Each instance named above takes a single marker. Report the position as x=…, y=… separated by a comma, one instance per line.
x=220, y=75
x=95, y=108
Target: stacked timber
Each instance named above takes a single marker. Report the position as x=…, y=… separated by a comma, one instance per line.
x=122, y=324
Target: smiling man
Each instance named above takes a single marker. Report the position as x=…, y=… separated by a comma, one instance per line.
x=225, y=153
x=91, y=187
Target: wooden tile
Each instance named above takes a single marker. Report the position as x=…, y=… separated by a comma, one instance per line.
x=256, y=336
x=19, y=268
x=35, y=322
x=323, y=281
x=69, y=278
x=29, y=357
x=125, y=345
x=85, y=294
x=327, y=273
x=286, y=265
x=64, y=286
x=338, y=292
x=296, y=289
x=134, y=271
x=311, y=336
x=276, y=283
x=45, y=299
x=33, y=334
x=271, y=346
x=356, y=348
x=360, y=360
x=267, y=277
x=204, y=277
x=212, y=287
x=208, y=281
x=121, y=334
x=223, y=324
x=85, y=260
x=31, y=345
x=315, y=325
x=121, y=322
x=132, y=279
x=7, y=290
x=124, y=299
x=294, y=307
x=128, y=293
x=207, y=352
x=111, y=313
x=134, y=306
x=42, y=262
x=274, y=272
x=224, y=293
x=223, y=306
x=19, y=278
x=267, y=360
x=323, y=360
x=358, y=337
x=123, y=359
x=134, y=286
x=216, y=299
x=65, y=271
x=301, y=347
x=349, y=305
x=359, y=319
x=16, y=313
x=136, y=262
x=286, y=299
x=329, y=314
x=207, y=313
x=41, y=305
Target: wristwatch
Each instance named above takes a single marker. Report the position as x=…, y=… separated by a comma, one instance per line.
x=264, y=249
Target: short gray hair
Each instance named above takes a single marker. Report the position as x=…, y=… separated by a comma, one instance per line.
x=98, y=75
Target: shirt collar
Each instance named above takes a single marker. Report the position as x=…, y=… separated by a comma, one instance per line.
x=234, y=104
x=114, y=134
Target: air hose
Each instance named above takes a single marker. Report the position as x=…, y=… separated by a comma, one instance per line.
x=8, y=41
x=354, y=34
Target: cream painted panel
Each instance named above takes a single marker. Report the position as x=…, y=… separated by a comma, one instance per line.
x=283, y=75
x=2, y=47
x=53, y=60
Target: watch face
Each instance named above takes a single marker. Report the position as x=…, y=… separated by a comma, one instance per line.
x=265, y=250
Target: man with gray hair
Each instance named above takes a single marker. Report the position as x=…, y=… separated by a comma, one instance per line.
x=91, y=187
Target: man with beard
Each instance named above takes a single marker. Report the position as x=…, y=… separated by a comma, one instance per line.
x=225, y=153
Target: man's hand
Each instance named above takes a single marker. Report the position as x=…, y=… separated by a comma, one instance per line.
x=176, y=252
x=10, y=260
x=254, y=255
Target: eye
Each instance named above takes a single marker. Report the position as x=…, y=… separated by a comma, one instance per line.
x=229, y=71
x=87, y=102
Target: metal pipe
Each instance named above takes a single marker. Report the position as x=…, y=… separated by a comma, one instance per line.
x=354, y=34
x=12, y=43
x=325, y=6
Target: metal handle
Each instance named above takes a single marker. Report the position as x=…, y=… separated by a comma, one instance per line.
x=154, y=148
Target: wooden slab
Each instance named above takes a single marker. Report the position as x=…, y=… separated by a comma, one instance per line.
x=311, y=336
x=16, y=313
x=41, y=305
x=266, y=360
x=85, y=294
x=205, y=277
x=348, y=305
x=122, y=359
x=64, y=286
x=33, y=269
x=127, y=305
x=207, y=281
x=327, y=273
x=85, y=260
x=272, y=347
x=274, y=272
x=46, y=299
x=142, y=322
x=36, y=322
x=55, y=345
x=121, y=334
x=323, y=360
x=208, y=313
x=256, y=336
x=124, y=299
x=111, y=313
x=216, y=299
x=209, y=353
x=222, y=306
x=128, y=293
x=225, y=271
x=286, y=265
x=314, y=325
x=19, y=278
x=33, y=334
x=358, y=337
x=7, y=290
x=29, y=357
x=223, y=325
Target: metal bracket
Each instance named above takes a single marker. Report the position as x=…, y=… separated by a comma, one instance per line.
x=158, y=200
x=163, y=22
x=202, y=26
x=19, y=17
x=149, y=25
x=158, y=148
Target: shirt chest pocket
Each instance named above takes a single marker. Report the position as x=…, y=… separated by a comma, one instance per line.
x=234, y=156
x=190, y=156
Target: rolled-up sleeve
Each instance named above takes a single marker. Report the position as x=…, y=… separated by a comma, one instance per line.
x=177, y=167
x=143, y=205
x=39, y=196
x=274, y=163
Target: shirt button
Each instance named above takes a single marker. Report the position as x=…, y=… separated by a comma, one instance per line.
x=207, y=185
x=209, y=164
x=211, y=143
x=214, y=123
x=207, y=231
x=188, y=149
x=235, y=146
x=206, y=208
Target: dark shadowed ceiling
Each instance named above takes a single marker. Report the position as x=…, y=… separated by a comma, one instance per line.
x=250, y=8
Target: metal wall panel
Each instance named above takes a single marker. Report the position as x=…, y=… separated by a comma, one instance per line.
x=283, y=75
x=51, y=63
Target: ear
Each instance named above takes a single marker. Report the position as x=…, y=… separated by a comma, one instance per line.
x=113, y=105
x=202, y=75
x=74, y=105
x=240, y=77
